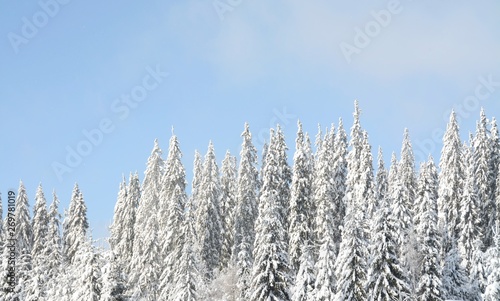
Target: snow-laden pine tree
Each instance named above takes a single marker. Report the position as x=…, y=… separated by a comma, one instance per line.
x=492, y=290
x=469, y=224
x=484, y=176
x=339, y=163
x=228, y=204
x=350, y=265
x=120, y=244
x=300, y=199
x=324, y=288
x=125, y=246
x=393, y=174
x=285, y=172
x=245, y=212
x=305, y=279
x=451, y=181
x=113, y=283
x=87, y=273
x=386, y=279
x=75, y=225
x=271, y=272
x=38, y=278
x=196, y=182
x=456, y=284
x=53, y=248
x=429, y=283
x=208, y=222
x=146, y=260
x=368, y=199
x=23, y=237
x=173, y=201
x=494, y=163
x=188, y=282
x=381, y=179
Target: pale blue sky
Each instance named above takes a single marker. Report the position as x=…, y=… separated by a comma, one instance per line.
x=243, y=64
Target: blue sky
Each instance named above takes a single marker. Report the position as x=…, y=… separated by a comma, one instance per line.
x=66, y=65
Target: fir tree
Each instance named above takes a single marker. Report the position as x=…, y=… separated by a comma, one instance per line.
x=305, y=280
x=38, y=253
x=324, y=288
x=87, y=272
x=245, y=212
x=492, y=290
x=455, y=281
x=197, y=176
x=113, y=283
x=208, y=222
x=300, y=201
x=271, y=274
x=285, y=173
x=53, y=248
x=228, y=204
x=386, y=279
x=451, y=181
x=484, y=177
x=75, y=225
x=429, y=285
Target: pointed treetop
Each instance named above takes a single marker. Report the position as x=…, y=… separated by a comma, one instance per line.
x=380, y=158
x=357, y=111
x=173, y=134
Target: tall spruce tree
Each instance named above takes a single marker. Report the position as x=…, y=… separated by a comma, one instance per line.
x=87, y=272
x=228, y=204
x=75, y=225
x=451, y=181
x=429, y=284
x=173, y=196
x=208, y=222
x=271, y=272
x=386, y=279
x=245, y=212
x=280, y=149
x=300, y=199
x=484, y=177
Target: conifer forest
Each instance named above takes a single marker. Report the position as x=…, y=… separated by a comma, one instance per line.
x=322, y=220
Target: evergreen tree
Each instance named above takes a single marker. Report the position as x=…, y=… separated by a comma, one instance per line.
x=38, y=253
x=113, y=283
x=245, y=212
x=208, y=222
x=304, y=283
x=75, y=225
x=455, y=281
x=117, y=231
x=197, y=176
x=324, y=288
x=188, y=282
x=271, y=274
x=492, y=290
x=300, y=199
x=87, y=272
x=53, y=248
x=393, y=174
x=125, y=247
x=382, y=181
x=429, y=285
x=451, y=181
x=146, y=261
x=386, y=279
x=228, y=204
x=484, y=177
x=339, y=163
x=284, y=170
x=171, y=215
x=469, y=224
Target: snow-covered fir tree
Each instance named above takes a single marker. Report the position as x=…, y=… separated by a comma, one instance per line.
x=451, y=181
x=386, y=279
x=146, y=262
x=285, y=173
x=271, y=272
x=87, y=273
x=113, y=283
x=381, y=179
x=228, y=204
x=429, y=284
x=245, y=212
x=173, y=199
x=196, y=182
x=484, y=176
x=208, y=222
x=305, y=278
x=300, y=199
x=492, y=290
x=75, y=225
x=469, y=224
x=324, y=288
x=456, y=284
x=37, y=281
x=53, y=248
